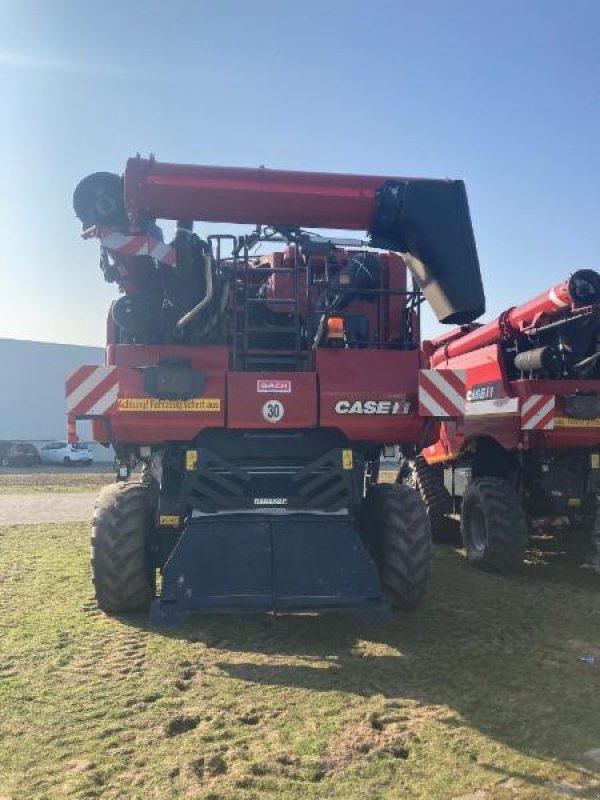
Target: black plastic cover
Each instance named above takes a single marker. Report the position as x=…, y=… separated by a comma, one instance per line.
x=584, y=287
x=173, y=382
x=98, y=200
x=582, y=406
x=430, y=220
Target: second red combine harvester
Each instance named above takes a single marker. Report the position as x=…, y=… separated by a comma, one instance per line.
x=519, y=402
x=257, y=390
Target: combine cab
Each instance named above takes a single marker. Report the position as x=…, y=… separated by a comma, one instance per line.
x=254, y=380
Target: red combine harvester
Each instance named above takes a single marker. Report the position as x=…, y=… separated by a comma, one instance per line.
x=257, y=390
x=519, y=401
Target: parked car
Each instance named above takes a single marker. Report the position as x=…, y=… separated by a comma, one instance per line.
x=19, y=454
x=64, y=453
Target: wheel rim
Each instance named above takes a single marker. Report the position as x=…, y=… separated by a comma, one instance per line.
x=478, y=533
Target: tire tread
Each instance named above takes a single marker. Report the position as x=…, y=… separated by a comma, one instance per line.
x=402, y=537
x=120, y=565
x=506, y=524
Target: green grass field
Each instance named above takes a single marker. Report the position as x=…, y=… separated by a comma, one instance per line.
x=477, y=695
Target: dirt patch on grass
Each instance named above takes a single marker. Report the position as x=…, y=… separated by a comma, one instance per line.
x=389, y=732
x=181, y=725
x=60, y=479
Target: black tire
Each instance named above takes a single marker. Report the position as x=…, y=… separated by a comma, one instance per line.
x=67, y=461
x=429, y=482
x=122, y=571
x=493, y=525
x=400, y=535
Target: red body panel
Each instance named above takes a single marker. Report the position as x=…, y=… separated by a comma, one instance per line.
x=236, y=194
x=132, y=417
x=567, y=432
x=282, y=399
x=500, y=417
x=526, y=387
x=370, y=395
x=483, y=366
x=148, y=426
x=375, y=376
x=497, y=417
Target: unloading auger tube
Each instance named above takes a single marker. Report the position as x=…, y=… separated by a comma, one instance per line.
x=426, y=219
x=581, y=290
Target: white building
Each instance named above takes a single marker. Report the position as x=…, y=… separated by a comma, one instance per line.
x=32, y=390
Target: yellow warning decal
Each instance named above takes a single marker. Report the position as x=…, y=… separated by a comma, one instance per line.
x=570, y=422
x=347, y=459
x=169, y=520
x=191, y=459
x=594, y=461
x=152, y=404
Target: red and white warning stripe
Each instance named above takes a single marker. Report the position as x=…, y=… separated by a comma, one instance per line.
x=139, y=245
x=537, y=412
x=556, y=299
x=442, y=393
x=92, y=391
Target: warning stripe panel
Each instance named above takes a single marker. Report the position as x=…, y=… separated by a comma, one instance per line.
x=456, y=379
x=76, y=377
x=136, y=245
x=537, y=412
x=559, y=302
x=92, y=391
x=105, y=402
x=96, y=395
x=442, y=393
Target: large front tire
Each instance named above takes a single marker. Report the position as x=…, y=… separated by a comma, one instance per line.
x=122, y=572
x=401, y=540
x=493, y=525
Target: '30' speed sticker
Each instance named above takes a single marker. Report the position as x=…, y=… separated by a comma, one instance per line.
x=273, y=411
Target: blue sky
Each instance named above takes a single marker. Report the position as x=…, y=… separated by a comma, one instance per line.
x=505, y=95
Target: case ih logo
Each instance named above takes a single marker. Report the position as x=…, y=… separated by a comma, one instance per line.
x=482, y=391
x=373, y=407
x=273, y=387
